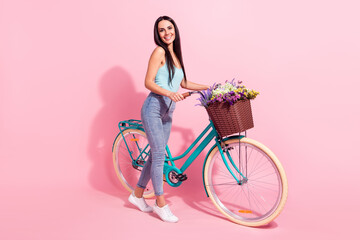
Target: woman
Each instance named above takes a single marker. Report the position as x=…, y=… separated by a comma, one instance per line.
x=165, y=74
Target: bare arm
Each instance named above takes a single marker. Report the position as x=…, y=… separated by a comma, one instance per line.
x=193, y=86
x=156, y=58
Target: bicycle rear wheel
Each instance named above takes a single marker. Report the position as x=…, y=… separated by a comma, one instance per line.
x=129, y=157
x=254, y=198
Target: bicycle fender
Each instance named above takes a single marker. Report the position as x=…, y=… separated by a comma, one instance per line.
x=207, y=155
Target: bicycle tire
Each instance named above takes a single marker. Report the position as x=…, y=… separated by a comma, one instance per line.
x=126, y=171
x=251, y=203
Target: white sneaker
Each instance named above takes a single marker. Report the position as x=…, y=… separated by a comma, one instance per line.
x=140, y=203
x=165, y=213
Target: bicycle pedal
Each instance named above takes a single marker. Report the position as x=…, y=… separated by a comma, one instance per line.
x=181, y=177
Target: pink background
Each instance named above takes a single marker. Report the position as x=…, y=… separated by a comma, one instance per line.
x=70, y=70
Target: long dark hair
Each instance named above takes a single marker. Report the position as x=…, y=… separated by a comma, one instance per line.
x=176, y=46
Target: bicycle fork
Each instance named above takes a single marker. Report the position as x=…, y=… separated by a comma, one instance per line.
x=229, y=159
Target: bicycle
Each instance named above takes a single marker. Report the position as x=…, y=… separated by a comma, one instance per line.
x=243, y=178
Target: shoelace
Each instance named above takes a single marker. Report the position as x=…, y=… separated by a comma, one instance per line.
x=168, y=211
x=143, y=202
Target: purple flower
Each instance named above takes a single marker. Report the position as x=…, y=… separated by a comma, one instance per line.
x=231, y=97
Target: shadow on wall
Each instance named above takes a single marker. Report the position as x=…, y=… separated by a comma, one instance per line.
x=120, y=102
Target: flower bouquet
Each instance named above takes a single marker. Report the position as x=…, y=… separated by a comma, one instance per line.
x=228, y=106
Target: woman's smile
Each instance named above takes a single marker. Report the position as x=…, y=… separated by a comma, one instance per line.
x=167, y=38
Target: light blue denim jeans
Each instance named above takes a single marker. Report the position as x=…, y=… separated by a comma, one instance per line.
x=156, y=116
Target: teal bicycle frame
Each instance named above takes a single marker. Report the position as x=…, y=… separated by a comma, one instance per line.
x=209, y=134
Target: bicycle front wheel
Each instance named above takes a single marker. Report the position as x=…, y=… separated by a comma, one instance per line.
x=129, y=156
x=256, y=191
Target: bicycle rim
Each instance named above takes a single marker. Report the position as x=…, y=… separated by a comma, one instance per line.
x=260, y=196
x=124, y=152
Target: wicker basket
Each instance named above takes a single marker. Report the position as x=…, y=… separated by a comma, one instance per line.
x=229, y=119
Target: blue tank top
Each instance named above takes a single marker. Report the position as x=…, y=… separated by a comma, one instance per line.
x=162, y=78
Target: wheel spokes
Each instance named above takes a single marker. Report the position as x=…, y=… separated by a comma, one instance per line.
x=258, y=195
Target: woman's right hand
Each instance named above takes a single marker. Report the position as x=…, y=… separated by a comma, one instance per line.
x=176, y=97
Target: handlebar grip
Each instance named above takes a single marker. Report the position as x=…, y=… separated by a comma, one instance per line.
x=185, y=95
